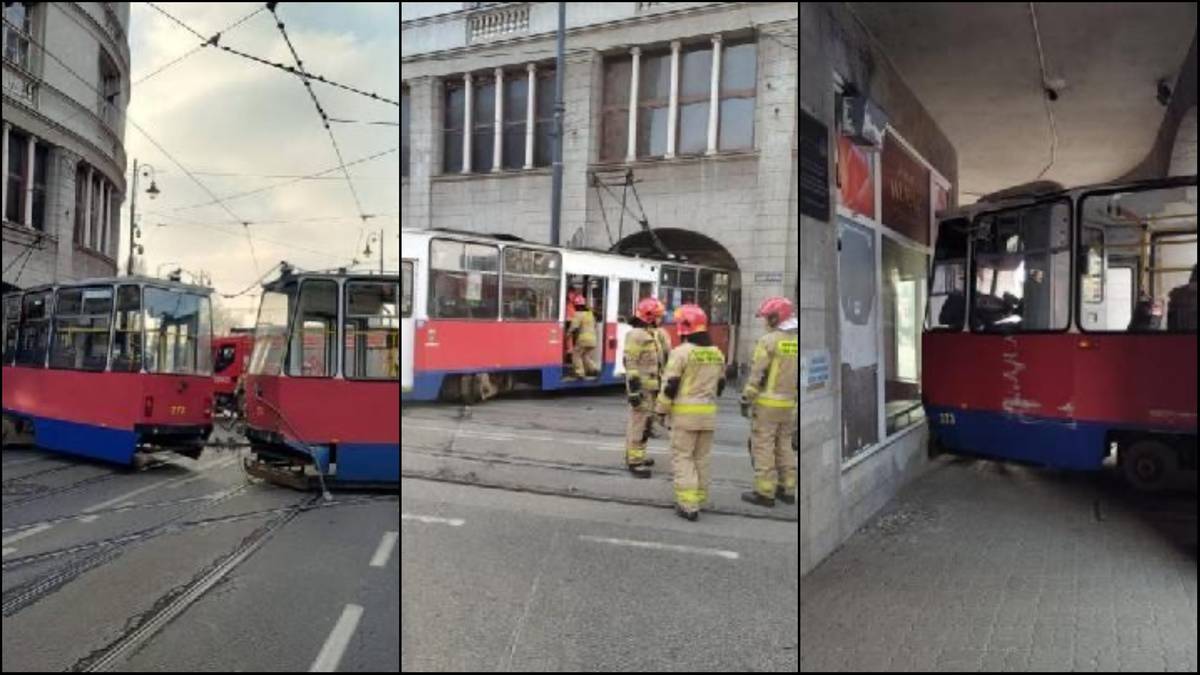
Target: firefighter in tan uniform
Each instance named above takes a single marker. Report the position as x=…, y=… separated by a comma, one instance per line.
x=693, y=379
x=644, y=359
x=583, y=332
x=769, y=399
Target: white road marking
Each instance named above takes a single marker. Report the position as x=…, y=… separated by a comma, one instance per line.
x=384, y=552
x=335, y=645
x=31, y=532
x=434, y=520
x=653, y=545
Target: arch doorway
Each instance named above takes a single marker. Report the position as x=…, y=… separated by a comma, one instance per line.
x=695, y=269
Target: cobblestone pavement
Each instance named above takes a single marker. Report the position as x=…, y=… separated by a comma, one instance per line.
x=981, y=566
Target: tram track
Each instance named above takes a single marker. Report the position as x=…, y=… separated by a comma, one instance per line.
x=445, y=474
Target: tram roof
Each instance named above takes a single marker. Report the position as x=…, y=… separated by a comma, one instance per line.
x=512, y=239
x=115, y=281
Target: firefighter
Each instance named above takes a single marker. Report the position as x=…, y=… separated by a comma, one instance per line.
x=693, y=379
x=769, y=400
x=644, y=358
x=583, y=334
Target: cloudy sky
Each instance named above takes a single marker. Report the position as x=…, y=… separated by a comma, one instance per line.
x=238, y=126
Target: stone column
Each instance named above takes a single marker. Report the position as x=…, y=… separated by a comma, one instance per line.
x=634, y=80
x=714, y=100
x=468, y=120
x=530, y=114
x=32, y=150
x=673, y=110
x=498, y=135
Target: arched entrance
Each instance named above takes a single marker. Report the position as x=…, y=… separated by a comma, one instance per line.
x=695, y=269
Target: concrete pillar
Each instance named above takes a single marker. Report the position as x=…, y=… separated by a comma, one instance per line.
x=530, y=114
x=32, y=150
x=498, y=136
x=634, y=80
x=673, y=110
x=4, y=175
x=87, y=209
x=468, y=121
x=714, y=101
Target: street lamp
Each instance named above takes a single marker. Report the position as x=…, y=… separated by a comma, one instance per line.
x=134, y=232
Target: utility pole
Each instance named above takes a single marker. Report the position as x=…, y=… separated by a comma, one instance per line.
x=132, y=219
x=559, y=110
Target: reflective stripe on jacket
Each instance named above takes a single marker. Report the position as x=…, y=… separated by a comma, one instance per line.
x=774, y=370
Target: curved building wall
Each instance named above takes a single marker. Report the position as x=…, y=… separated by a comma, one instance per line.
x=66, y=89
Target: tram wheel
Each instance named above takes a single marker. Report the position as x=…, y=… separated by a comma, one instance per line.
x=1148, y=465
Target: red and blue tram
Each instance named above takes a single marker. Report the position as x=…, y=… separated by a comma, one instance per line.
x=107, y=368
x=1062, y=328
x=322, y=394
x=481, y=315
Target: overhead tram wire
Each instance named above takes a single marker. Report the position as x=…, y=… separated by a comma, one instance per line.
x=239, y=195
x=216, y=36
x=155, y=143
x=289, y=69
x=304, y=79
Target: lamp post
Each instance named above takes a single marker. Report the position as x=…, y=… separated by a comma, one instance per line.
x=134, y=232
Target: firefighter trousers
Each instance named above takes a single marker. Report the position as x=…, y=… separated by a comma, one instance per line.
x=691, y=462
x=638, y=430
x=771, y=451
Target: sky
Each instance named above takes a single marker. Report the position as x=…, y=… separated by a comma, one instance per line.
x=217, y=113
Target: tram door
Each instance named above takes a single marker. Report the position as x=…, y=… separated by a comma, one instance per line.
x=629, y=293
x=406, y=325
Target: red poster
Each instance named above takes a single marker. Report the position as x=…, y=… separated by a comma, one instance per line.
x=855, y=183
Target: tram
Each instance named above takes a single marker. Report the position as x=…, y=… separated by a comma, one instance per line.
x=1061, y=328
x=109, y=368
x=482, y=315
x=322, y=394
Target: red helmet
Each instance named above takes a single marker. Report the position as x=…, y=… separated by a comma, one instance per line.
x=777, y=306
x=690, y=319
x=650, y=310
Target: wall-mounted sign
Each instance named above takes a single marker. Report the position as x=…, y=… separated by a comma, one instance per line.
x=814, y=370
x=814, y=167
x=768, y=277
x=905, y=184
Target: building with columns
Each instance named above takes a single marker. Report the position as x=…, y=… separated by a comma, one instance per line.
x=679, y=133
x=66, y=87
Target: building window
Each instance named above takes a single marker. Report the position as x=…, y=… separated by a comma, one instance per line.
x=483, y=124
x=453, y=118
x=739, y=70
x=614, y=132
x=41, y=160
x=18, y=150
x=404, y=131
x=695, y=92
x=736, y=99
x=109, y=94
x=543, y=142
x=18, y=28
x=903, y=306
x=516, y=106
x=654, y=105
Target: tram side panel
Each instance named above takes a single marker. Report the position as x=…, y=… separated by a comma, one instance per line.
x=359, y=418
x=1009, y=397
x=85, y=414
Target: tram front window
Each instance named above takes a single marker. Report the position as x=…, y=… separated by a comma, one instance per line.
x=270, y=335
x=372, y=331
x=176, y=327
x=1021, y=269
